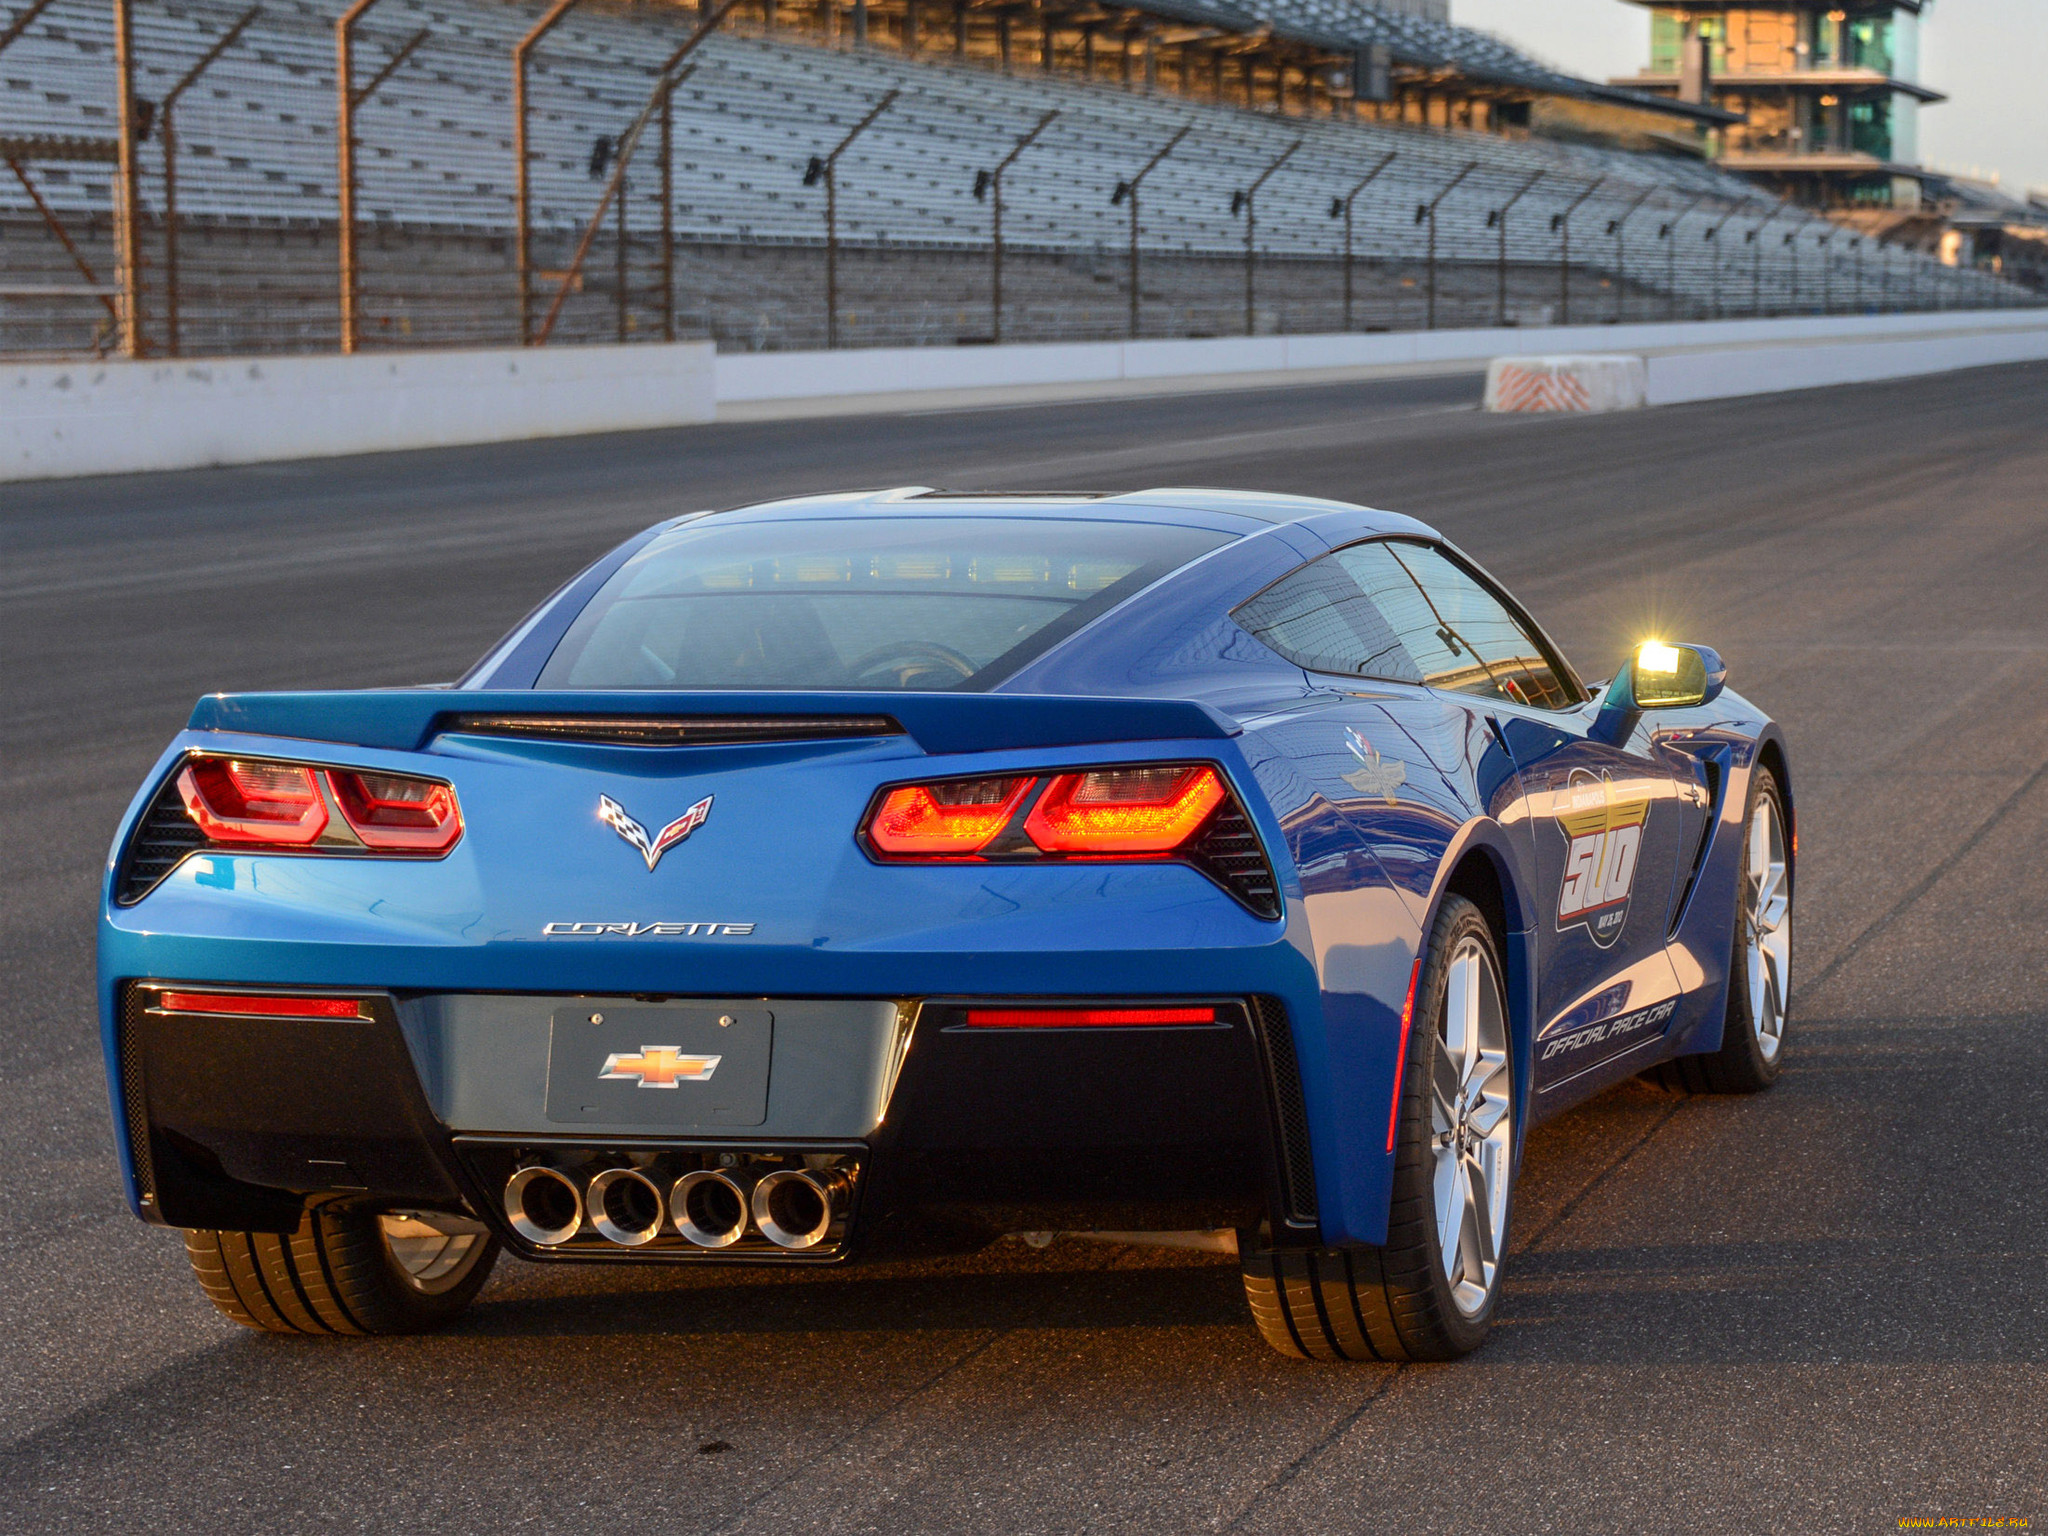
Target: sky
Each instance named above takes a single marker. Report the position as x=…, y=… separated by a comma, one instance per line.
x=1986, y=54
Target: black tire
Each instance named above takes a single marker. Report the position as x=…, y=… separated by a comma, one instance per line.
x=336, y=1274
x=1740, y=1065
x=1395, y=1302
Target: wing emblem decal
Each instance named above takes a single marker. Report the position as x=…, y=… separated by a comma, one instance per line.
x=613, y=815
x=1379, y=776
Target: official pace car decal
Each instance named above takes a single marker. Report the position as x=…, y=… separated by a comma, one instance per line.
x=1378, y=775
x=613, y=815
x=659, y=1066
x=1603, y=834
x=1610, y=1030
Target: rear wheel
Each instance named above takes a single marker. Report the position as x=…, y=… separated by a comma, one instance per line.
x=346, y=1271
x=1429, y=1294
x=1752, y=1049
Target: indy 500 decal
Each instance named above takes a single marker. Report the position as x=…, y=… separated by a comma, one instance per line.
x=1603, y=835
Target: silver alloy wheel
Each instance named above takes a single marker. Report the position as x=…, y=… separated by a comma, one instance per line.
x=1471, y=1120
x=431, y=1249
x=1767, y=928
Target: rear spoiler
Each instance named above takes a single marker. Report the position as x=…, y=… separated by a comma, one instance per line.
x=406, y=719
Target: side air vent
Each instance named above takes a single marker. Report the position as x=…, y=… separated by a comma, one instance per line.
x=672, y=731
x=165, y=835
x=1228, y=851
x=1290, y=1112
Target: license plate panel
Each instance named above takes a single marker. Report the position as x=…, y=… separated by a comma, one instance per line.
x=659, y=1064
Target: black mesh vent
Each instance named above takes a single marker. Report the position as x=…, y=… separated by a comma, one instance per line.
x=1229, y=852
x=165, y=835
x=1283, y=1073
x=672, y=731
x=134, y=1108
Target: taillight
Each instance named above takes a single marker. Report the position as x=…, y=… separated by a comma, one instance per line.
x=1124, y=810
x=397, y=813
x=254, y=803
x=236, y=802
x=955, y=819
x=1185, y=813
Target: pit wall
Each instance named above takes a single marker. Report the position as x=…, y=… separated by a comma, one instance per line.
x=66, y=419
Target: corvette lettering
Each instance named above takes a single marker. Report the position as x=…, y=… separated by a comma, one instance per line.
x=1603, y=835
x=647, y=930
x=659, y=1066
x=1610, y=1029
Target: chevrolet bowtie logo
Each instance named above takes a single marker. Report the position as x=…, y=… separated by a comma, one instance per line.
x=659, y=1066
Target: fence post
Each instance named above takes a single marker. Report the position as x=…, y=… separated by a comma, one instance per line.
x=1342, y=205
x=1710, y=236
x=1756, y=298
x=127, y=198
x=345, y=140
x=167, y=139
x=1246, y=203
x=1128, y=190
x=522, y=194
x=1498, y=218
x=1562, y=222
x=1615, y=227
x=825, y=168
x=1426, y=213
x=992, y=181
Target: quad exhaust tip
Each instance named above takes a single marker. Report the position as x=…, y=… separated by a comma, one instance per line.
x=544, y=1207
x=795, y=1207
x=709, y=1208
x=626, y=1207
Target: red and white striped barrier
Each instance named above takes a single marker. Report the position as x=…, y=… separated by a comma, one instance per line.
x=1606, y=382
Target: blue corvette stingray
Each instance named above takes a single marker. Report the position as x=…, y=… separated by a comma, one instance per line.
x=885, y=873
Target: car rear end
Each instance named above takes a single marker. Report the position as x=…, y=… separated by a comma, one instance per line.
x=678, y=968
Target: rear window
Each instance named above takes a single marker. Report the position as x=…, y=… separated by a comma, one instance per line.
x=866, y=603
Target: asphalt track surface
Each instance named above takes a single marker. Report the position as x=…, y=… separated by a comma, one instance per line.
x=1816, y=1310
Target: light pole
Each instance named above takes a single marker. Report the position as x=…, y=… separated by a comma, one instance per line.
x=1497, y=218
x=1127, y=191
x=987, y=183
x=1342, y=205
x=1246, y=202
x=825, y=168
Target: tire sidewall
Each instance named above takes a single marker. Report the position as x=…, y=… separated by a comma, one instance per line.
x=1740, y=1049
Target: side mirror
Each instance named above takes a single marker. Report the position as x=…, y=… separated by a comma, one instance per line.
x=1663, y=676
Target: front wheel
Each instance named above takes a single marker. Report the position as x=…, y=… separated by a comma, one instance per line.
x=1752, y=1049
x=346, y=1271
x=1429, y=1293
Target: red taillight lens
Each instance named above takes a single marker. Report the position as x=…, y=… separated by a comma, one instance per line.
x=1068, y=1018
x=268, y=1007
x=1124, y=810
x=397, y=813
x=253, y=803
x=949, y=820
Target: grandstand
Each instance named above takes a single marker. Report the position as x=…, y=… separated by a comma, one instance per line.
x=1600, y=232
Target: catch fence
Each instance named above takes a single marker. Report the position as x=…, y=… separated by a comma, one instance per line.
x=496, y=173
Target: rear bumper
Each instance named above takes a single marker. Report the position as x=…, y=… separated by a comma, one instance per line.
x=948, y=1135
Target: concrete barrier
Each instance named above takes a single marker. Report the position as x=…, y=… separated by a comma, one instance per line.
x=1596, y=382
x=759, y=377
x=109, y=417
x=1678, y=377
